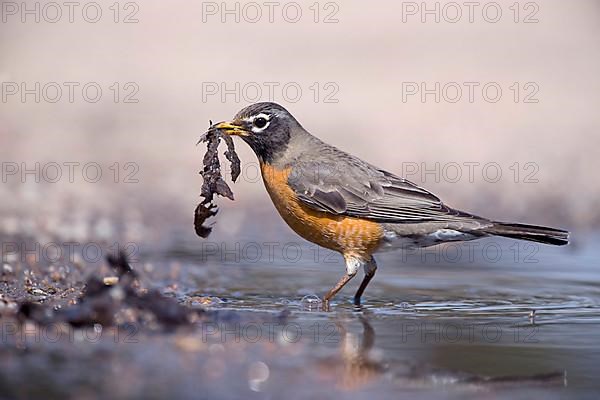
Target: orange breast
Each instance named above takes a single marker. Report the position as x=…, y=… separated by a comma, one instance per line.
x=344, y=234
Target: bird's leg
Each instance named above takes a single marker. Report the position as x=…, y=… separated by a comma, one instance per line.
x=370, y=267
x=352, y=266
x=338, y=286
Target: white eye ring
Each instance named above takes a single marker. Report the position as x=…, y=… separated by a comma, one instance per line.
x=256, y=129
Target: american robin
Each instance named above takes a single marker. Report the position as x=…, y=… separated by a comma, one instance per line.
x=343, y=203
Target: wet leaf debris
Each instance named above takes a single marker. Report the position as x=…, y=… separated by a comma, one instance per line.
x=213, y=182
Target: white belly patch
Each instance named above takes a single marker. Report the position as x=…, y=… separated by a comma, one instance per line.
x=393, y=241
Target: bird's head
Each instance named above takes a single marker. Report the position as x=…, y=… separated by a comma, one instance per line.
x=266, y=127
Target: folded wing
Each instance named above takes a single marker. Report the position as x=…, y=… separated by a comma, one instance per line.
x=350, y=187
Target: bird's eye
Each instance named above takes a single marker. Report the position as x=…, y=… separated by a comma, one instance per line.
x=260, y=122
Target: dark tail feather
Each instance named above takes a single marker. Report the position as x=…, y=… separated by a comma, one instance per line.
x=532, y=233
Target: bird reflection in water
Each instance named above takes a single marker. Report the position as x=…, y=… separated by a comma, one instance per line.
x=360, y=363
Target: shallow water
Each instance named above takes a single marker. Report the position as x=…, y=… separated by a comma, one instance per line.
x=439, y=323
x=521, y=324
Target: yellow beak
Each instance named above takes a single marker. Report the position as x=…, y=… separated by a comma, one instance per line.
x=230, y=129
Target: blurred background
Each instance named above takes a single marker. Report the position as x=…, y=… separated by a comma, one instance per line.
x=374, y=79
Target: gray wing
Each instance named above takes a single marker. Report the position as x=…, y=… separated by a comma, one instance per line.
x=348, y=186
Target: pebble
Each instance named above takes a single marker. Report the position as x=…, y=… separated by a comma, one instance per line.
x=111, y=280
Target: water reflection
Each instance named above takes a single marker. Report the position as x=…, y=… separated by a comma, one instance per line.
x=359, y=364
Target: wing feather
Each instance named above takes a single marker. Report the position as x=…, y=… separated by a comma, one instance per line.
x=354, y=188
